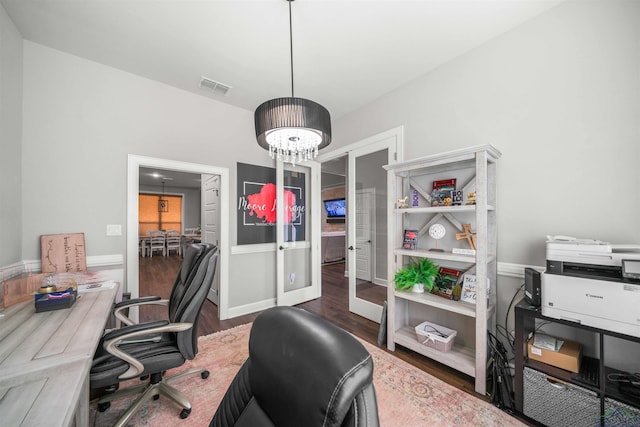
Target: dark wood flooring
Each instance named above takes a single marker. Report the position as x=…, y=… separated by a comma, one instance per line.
x=157, y=275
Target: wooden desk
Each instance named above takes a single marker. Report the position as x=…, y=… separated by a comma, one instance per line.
x=51, y=397
x=45, y=358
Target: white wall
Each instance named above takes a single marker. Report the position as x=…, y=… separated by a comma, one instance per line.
x=10, y=140
x=82, y=119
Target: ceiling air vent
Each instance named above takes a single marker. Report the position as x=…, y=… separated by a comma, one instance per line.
x=214, y=86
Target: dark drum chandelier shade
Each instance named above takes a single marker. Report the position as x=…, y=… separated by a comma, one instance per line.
x=292, y=124
x=292, y=129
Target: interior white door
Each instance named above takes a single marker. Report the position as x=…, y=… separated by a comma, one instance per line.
x=297, y=232
x=366, y=237
x=364, y=233
x=210, y=201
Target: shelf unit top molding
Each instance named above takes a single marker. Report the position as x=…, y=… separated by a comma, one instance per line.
x=461, y=155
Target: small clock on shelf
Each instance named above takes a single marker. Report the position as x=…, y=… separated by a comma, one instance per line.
x=437, y=232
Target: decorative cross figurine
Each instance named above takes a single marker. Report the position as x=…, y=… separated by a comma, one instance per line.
x=468, y=234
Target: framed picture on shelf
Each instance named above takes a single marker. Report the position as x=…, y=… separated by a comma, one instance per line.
x=469, y=288
x=410, y=240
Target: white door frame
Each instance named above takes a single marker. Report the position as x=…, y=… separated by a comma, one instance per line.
x=392, y=140
x=135, y=162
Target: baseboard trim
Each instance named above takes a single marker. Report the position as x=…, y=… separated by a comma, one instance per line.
x=241, y=310
x=12, y=270
x=514, y=270
x=35, y=266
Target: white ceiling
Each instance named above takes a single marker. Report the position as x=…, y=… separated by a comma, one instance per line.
x=347, y=53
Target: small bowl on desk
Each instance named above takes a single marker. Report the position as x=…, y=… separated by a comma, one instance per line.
x=47, y=289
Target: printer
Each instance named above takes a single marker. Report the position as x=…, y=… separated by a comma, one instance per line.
x=593, y=283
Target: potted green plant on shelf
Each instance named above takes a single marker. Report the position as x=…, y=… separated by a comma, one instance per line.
x=416, y=276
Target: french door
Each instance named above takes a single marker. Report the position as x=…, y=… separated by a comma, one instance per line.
x=366, y=227
x=297, y=232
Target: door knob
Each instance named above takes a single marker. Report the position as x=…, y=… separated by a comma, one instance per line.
x=350, y=248
x=281, y=248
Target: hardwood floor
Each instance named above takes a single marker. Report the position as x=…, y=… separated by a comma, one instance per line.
x=157, y=276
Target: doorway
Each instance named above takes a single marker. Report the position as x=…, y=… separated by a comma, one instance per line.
x=368, y=210
x=135, y=163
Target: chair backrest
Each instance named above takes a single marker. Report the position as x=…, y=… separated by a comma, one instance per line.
x=190, y=291
x=301, y=371
x=173, y=241
x=157, y=241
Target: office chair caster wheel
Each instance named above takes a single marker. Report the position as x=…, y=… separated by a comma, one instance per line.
x=204, y=375
x=185, y=413
x=103, y=406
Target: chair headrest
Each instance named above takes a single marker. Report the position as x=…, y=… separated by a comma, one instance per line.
x=304, y=371
x=191, y=254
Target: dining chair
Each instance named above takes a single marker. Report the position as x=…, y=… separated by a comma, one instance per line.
x=157, y=243
x=174, y=243
x=142, y=246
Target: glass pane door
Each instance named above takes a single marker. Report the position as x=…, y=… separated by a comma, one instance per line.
x=367, y=225
x=297, y=222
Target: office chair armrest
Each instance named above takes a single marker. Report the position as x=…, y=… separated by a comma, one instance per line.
x=119, y=307
x=113, y=339
x=125, y=330
x=135, y=301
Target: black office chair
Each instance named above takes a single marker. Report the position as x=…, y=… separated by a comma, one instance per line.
x=301, y=371
x=149, y=349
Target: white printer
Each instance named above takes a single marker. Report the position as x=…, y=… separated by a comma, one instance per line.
x=593, y=283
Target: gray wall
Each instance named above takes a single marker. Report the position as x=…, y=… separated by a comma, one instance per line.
x=560, y=97
x=82, y=119
x=10, y=141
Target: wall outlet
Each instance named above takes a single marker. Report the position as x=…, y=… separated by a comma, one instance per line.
x=114, y=230
x=292, y=278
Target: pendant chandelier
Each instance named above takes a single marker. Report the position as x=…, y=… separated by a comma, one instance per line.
x=292, y=129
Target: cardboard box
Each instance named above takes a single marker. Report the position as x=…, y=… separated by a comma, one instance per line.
x=568, y=357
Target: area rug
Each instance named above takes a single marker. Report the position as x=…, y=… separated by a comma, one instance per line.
x=407, y=396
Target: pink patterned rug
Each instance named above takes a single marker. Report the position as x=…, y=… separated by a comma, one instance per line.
x=407, y=396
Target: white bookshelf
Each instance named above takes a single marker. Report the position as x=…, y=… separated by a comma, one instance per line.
x=475, y=170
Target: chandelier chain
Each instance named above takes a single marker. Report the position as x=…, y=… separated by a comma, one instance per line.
x=291, y=46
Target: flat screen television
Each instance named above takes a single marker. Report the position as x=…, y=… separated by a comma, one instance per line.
x=335, y=208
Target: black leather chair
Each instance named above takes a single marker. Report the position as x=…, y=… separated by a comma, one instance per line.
x=149, y=349
x=301, y=371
